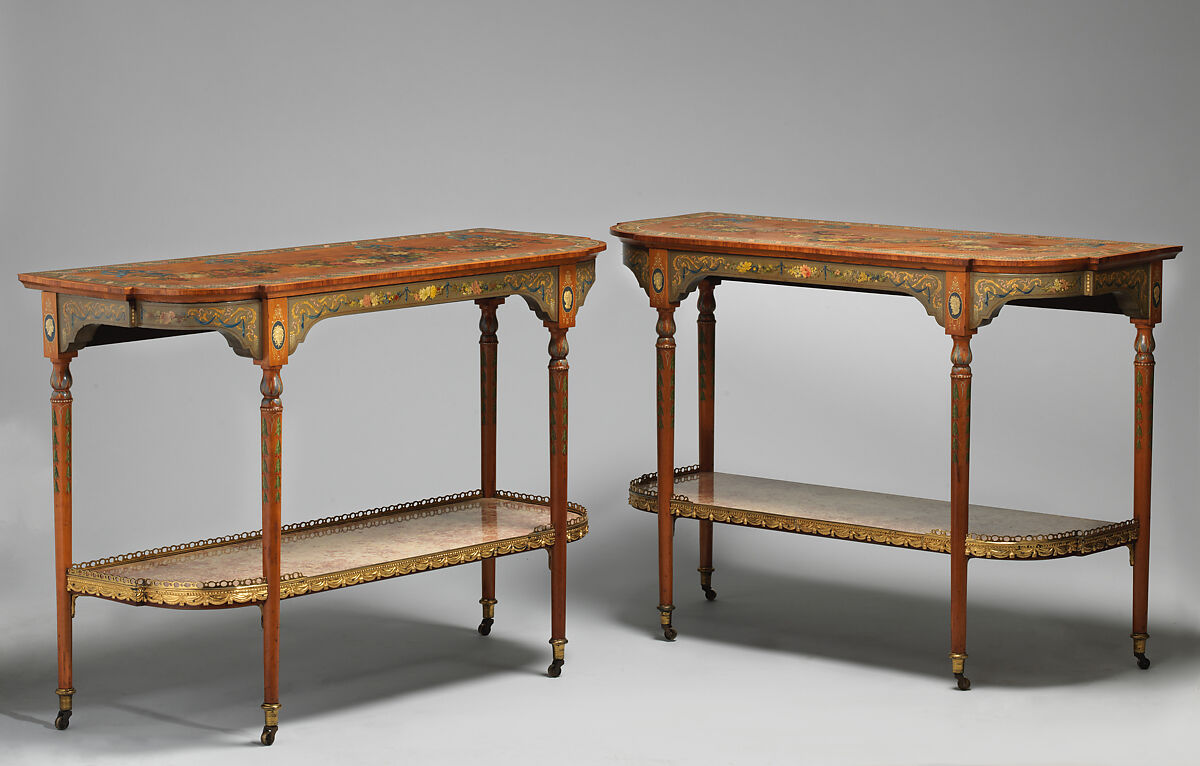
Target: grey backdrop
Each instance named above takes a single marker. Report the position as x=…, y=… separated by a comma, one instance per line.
x=140, y=130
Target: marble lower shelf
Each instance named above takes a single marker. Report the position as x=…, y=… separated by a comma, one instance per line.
x=330, y=553
x=873, y=517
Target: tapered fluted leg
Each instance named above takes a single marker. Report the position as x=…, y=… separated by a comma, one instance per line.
x=558, y=498
x=1143, y=433
x=488, y=347
x=666, y=469
x=271, y=414
x=706, y=335
x=960, y=462
x=60, y=424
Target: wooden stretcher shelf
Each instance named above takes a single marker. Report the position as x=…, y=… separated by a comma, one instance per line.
x=329, y=553
x=873, y=517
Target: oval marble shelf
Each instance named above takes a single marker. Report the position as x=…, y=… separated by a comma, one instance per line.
x=873, y=517
x=329, y=553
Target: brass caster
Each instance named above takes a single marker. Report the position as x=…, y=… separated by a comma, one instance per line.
x=664, y=618
x=65, y=699
x=706, y=582
x=485, y=627
x=958, y=662
x=271, y=714
x=1139, y=649
x=559, y=648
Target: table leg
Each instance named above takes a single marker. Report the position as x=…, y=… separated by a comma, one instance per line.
x=960, y=462
x=60, y=423
x=666, y=465
x=271, y=413
x=1143, y=428
x=558, y=497
x=706, y=334
x=488, y=346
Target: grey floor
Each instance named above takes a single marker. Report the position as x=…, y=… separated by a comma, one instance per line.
x=815, y=652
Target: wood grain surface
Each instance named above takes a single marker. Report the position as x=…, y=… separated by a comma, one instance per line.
x=300, y=270
x=867, y=243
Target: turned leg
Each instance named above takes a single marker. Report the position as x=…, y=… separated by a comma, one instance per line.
x=1143, y=430
x=706, y=334
x=60, y=424
x=558, y=498
x=271, y=412
x=666, y=468
x=488, y=343
x=960, y=461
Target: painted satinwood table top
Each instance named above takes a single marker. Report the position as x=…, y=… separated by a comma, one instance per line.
x=265, y=302
x=866, y=243
x=312, y=268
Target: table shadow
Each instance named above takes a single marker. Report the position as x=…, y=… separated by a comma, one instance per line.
x=335, y=657
x=1009, y=645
